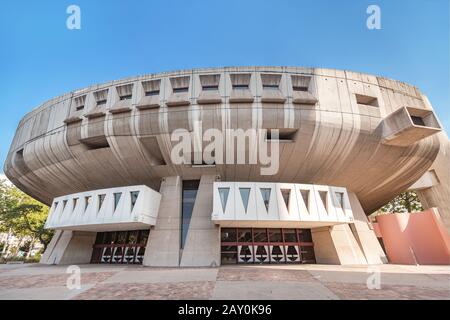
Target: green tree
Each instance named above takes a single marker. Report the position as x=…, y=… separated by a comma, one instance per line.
x=23, y=215
x=407, y=201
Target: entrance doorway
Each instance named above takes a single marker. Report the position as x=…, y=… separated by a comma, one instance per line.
x=120, y=247
x=266, y=245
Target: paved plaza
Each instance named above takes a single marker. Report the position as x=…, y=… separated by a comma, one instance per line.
x=228, y=282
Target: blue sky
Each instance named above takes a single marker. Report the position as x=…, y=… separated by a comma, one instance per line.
x=40, y=58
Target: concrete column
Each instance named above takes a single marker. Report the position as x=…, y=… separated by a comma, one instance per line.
x=336, y=245
x=202, y=246
x=163, y=246
x=69, y=247
x=365, y=236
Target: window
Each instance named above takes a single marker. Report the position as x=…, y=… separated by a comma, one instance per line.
x=305, y=196
x=133, y=195
x=101, y=102
x=265, y=193
x=117, y=197
x=271, y=86
x=283, y=134
x=228, y=235
x=300, y=88
x=78, y=108
x=87, y=202
x=323, y=197
x=244, y=235
x=245, y=194
x=286, y=193
x=210, y=88
x=240, y=86
x=261, y=245
x=340, y=199
x=55, y=205
x=180, y=90
x=189, y=194
x=275, y=235
x=75, y=201
x=126, y=97
x=366, y=100
x=418, y=121
x=152, y=93
x=223, y=194
x=101, y=198
x=260, y=235
x=64, y=204
x=290, y=235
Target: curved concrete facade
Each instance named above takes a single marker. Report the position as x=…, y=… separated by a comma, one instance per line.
x=371, y=135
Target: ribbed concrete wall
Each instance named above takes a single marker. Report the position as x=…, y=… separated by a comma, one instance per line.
x=57, y=149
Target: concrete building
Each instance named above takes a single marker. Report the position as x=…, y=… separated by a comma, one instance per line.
x=102, y=158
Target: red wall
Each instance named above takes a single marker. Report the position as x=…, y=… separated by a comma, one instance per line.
x=411, y=238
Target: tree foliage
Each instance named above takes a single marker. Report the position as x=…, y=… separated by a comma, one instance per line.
x=23, y=215
x=407, y=201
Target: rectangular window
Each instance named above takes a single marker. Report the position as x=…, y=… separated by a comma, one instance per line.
x=300, y=88
x=126, y=97
x=152, y=93
x=101, y=102
x=287, y=135
x=244, y=235
x=366, y=100
x=240, y=86
x=180, y=90
x=271, y=86
x=418, y=121
x=210, y=88
x=189, y=194
x=78, y=108
x=228, y=235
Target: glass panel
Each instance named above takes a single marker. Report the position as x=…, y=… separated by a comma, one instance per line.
x=223, y=194
x=87, y=202
x=99, y=238
x=228, y=235
x=244, y=235
x=101, y=198
x=121, y=237
x=265, y=192
x=260, y=235
x=340, y=199
x=305, y=196
x=143, y=236
x=323, y=197
x=307, y=253
x=117, y=197
x=190, y=188
x=132, y=237
x=134, y=195
x=275, y=235
x=305, y=235
x=245, y=194
x=229, y=258
x=229, y=248
x=290, y=235
x=110, y=238
x=286, y=193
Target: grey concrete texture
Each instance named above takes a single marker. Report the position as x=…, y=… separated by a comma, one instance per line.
x=76, y=142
